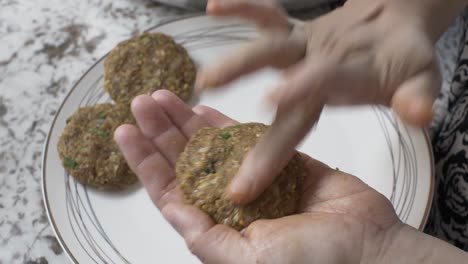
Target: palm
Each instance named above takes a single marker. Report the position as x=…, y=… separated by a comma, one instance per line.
x=331, y=191
x=332, y=201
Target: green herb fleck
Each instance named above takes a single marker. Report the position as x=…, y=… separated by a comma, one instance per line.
x=102, y=114
x=68, y=120
x=238, y=126
x=70, y=163
x=98, y=132
x=224, y=135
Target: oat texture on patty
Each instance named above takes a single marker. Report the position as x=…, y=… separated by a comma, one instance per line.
x=88, y=151
x=146, y=63
x=211, y=159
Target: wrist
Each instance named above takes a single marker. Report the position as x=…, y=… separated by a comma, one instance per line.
x=404, y=244
x=433, y=16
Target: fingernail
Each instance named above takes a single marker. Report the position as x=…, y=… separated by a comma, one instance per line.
x=209, y=6
x=219, y=2
x=199, y=83
x=242, y=232
x=422, y=111
x=273, y=97
x=267, y=106
x=212, y=5
x=238, y=189
x=206, y=80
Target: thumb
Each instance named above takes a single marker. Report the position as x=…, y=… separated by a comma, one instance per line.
x=414, y=99
x=209, y=242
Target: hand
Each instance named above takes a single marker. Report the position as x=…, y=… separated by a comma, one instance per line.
x=340, y=219
x=367, y=52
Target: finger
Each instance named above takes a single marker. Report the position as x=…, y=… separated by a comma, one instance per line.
x=414, y=99
x=282, y=92
x=273, y=151
x=214, y=117
x=265, y=13
x=209, y=242
x=274, y=50
x=125, y=136
x=151, y=167
x=155, y=124
x=347, y=44
x=179, y=113
x=273, y=97
x=337, y=83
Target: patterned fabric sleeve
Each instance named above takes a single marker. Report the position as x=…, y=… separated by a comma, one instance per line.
x=449, y=215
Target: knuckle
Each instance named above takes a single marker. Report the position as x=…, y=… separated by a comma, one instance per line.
x=191, y=244
x=398, y=58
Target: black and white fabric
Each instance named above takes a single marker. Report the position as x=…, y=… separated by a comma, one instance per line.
x=449, y=213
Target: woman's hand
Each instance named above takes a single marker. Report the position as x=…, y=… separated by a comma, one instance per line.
x=366, y=52
x=340, y=219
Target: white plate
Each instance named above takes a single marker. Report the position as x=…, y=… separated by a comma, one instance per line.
x=124, y=227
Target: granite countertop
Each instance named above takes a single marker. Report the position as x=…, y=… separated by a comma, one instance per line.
x=45, y=47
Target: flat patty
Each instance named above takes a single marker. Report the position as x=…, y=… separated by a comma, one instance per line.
x=211, y=159
x=88, y=151
x=146, y=63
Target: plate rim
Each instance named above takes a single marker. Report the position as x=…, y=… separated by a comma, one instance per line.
x=52, y=125
x=45, y=149
x=430, y=197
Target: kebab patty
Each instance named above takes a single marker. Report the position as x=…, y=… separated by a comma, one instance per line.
x=88, y=151
x=211, y=159
x=146, y=63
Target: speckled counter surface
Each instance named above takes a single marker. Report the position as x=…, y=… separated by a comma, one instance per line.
x=45, y=47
